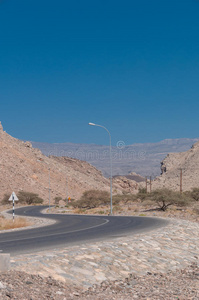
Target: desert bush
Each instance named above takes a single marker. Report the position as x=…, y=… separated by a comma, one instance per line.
x=142, y=194
x=196, y=211
x=194, y=194
x=130, y=198
x=91, y=199
x=165, y=197
x=147, y=202
x=36, y=200
x=80, y=211
x=116, y=208
x=116, y=199
x=94, y=198
x=29, y=198
x=5, y=198
x=101, y=212
x=142, y=190
x=126, y=198
x=57, y=199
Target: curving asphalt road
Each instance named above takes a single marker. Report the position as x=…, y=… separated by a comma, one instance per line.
x=71, y=230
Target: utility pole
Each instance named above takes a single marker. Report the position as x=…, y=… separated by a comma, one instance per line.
x=146, y=183
x=49, y=186
x=150, y=184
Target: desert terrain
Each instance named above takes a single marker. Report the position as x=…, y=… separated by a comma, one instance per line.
x=161, y=264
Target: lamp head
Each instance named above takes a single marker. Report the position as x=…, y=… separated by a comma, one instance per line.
x=92, y=124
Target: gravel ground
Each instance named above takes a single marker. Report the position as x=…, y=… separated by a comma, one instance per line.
x=181, y=285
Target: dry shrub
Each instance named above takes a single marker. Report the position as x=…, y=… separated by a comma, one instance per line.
x=194, y=194
x=126, y=198
x=95, y=198
x=147, y=202
x=196, y=211
x=5, y=199
x=101, y=212
x=29, y=198
x=117, y=208
x=92, y=199
x=9, y=224
x=165, y=197
x=79, y=211
x=57, y=199
x=24, y=198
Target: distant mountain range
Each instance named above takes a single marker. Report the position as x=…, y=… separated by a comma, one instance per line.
x=143, y=159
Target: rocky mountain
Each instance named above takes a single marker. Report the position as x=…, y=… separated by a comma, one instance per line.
x=175, y=164
x=26, y=168
x=143, y=159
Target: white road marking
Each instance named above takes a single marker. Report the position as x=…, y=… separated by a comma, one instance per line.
x=106, y=221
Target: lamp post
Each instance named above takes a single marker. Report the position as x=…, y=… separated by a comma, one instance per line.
x=67, y=190
x=92, y=124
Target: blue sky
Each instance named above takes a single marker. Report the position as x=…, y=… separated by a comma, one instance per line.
x=132, y=66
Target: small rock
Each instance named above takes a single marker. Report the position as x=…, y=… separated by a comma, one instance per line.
x=2, y=286
x=59, y=293
x=8, y=295
x=149, y=273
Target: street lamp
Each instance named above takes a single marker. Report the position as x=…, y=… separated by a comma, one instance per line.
x=93, y=124
x=66, y=190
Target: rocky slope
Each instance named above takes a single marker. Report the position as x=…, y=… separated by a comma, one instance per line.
x=26, y=168
x=180, y=284
x=171, y=168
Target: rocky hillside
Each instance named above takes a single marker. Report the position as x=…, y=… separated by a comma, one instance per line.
x=171, y=168
x=26, y=168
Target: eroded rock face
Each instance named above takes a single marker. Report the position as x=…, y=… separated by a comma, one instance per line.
x=171, y=168
x=129, y=185
x=23, y=167
x=163, y=168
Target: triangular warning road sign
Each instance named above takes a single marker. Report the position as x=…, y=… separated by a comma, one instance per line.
x=13, y=197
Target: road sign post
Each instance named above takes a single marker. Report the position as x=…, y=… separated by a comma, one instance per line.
x=13, y=198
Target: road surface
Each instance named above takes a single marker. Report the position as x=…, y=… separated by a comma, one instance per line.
x=71, y=230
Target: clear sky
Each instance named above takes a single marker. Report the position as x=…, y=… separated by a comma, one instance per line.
x=130, y=65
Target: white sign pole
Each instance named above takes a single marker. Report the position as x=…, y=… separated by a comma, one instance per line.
x=12, y=198
x=13, y=208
